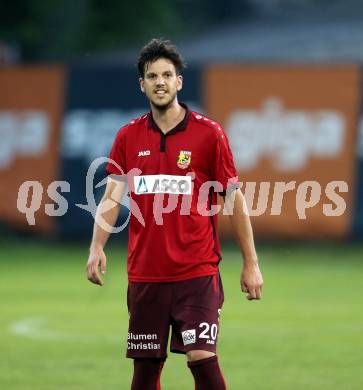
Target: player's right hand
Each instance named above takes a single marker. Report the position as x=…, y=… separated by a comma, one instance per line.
x=251, y=280
x=96, y=262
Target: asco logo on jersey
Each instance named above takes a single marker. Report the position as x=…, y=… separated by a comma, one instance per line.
x=184, y=159
x=163, y=184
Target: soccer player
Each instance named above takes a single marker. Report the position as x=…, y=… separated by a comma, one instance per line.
x=175, y=161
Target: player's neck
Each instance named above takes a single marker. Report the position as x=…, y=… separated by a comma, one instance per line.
x=167, y=119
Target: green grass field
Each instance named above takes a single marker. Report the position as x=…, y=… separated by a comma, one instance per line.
x=57, y=331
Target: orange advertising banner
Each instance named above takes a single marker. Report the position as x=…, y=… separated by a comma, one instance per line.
x=292, y=130
x=31, y=105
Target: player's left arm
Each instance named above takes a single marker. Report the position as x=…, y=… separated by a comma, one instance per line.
x=251, y=277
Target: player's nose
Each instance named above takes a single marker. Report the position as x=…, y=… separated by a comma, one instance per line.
x=160, y=81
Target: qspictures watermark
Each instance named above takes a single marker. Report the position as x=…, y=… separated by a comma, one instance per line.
x=169, y=191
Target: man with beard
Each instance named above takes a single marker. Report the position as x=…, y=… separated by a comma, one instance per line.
x=183, y=160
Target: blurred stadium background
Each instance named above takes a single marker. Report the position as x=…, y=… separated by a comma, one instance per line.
x=285, y=80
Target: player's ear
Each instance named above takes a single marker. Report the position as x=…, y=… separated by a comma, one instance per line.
x=180, y=82
x=141, y=81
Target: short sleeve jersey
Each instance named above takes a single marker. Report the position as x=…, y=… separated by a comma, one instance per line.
x=173, y=181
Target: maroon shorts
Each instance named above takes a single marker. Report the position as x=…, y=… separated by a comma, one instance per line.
x=191, y=308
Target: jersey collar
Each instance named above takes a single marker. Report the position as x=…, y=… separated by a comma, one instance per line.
x=182, y=125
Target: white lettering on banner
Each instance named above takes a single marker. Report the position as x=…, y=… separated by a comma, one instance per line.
x=90, y=133
x=163, y=184
x=289, y=137
x=22, y=133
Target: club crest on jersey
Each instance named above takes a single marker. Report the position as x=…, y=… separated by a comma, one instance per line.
x=184, y=159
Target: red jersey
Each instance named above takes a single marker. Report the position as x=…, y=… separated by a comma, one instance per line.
x=175, y=239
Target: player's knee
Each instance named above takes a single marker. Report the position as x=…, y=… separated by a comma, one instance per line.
x=198, y=355
x=147, y=373
x=148, y=365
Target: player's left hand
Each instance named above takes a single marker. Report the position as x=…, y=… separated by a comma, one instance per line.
x=251, y=280
x=96, y=262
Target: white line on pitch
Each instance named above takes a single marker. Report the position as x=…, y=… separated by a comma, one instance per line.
x=36, y=328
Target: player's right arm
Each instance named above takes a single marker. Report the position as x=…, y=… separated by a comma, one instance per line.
x=106, y=216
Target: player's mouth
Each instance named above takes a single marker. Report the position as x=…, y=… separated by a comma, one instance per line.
x=161, y=92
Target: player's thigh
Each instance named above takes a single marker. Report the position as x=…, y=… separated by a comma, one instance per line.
x=149, y=313
x=196, y=315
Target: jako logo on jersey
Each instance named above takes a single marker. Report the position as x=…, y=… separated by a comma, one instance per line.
x=144, y=153
x=184, y=159
x=189, y=336
x=163, y=184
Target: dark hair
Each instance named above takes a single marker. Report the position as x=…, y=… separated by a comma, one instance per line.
x=159, y=48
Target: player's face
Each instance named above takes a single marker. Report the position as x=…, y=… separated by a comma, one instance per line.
x=161, y=83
